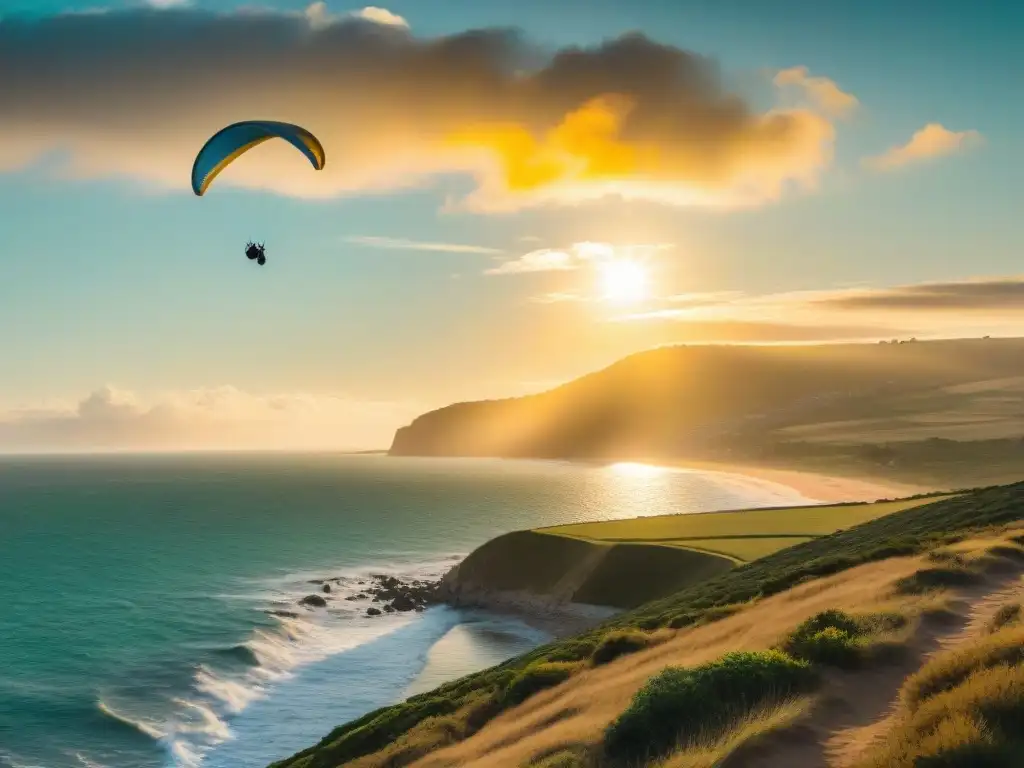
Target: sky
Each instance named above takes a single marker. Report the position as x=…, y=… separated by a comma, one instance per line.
x=515, y=194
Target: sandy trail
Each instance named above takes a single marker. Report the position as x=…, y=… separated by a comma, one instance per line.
x=859, y=707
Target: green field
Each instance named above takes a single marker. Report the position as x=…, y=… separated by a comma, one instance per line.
x=742, y=535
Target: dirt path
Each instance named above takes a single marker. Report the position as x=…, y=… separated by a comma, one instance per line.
x=858, y=707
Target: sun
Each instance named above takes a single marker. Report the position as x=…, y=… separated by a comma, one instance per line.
x=623, y=281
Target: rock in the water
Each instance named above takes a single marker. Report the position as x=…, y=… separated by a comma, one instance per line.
x=315, y=581
x=403, y=603
x=285, y=614
x=389, y=609
x=313, y=600
x=327, y=587
x=371, y=611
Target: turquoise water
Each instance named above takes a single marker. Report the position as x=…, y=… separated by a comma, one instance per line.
x=135, y=630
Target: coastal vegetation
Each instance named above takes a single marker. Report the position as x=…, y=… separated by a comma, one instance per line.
x=741, y=535
x=874, y=598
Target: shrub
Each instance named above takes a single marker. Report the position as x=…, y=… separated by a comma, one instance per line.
x=619, y=643
x=830, y=637
x=536, y=678
x=575, y=650
x=838, y=639
x=702, y=701
x=829, y=646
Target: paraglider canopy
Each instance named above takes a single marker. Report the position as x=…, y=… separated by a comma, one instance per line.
x=231, y=142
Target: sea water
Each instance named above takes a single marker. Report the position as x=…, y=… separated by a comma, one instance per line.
x=136, y=627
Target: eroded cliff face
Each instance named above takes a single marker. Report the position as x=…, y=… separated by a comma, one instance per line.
x=534, y=572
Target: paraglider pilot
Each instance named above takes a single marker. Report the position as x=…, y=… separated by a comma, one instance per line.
x=258, y=252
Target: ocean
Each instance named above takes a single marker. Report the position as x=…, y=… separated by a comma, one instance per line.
x=136, y=629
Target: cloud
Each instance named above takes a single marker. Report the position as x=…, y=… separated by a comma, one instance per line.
x=557, y=298
x=825, y=94
x=223, y=418
x=318, y=16
x=574, y=257
x=135, y=93
x=381, y=16
x=961, y=308
x=1004, y=294
x=418, y=245
x=706, y=298
x=542, y=260
x=934, y=140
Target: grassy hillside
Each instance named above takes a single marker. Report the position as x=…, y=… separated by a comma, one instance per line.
x=904, y=663
x=398, y=735
x=569, y=569
x=625, y=563
x=741, y=535
x=940, y=413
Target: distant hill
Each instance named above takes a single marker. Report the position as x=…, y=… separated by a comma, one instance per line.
x=747, y=402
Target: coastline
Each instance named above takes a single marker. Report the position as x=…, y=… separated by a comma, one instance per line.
x=561, y=619
x=821, y=487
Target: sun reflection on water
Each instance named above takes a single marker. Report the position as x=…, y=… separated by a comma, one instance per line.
x=635, y=469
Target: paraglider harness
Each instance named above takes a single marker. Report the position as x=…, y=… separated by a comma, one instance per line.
x=257, y=252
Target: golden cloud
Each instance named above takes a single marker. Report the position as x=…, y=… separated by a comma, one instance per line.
x=961, y=308
x=821, y=90
x=136, y=93
x=934, y=140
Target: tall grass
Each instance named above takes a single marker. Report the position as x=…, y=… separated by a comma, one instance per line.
x=963, y=709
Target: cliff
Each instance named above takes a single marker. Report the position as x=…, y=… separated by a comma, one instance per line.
x=682, y=400
x=533, y=571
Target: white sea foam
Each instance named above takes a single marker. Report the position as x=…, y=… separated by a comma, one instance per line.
x=201, y=721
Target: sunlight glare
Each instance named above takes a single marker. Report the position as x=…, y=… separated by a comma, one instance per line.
x=623, y=280
x=635, y=469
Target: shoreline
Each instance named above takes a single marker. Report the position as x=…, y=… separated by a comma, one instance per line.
x=832, y=489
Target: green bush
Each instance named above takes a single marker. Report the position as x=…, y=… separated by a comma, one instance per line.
x=619, y=643
x=574, y=650
x=702, y=701
x=536, y=678
x=830, y=646
x=838, y=639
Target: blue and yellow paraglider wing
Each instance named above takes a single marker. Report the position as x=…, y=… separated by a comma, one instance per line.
x=229, y=143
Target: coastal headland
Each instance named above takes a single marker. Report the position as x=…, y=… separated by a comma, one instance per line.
x=839, y=645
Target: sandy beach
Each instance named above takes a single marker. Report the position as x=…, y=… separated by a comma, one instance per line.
x=827, y=488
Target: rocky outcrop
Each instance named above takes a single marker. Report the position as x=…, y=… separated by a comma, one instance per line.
x=530, y=571
x=391, y=593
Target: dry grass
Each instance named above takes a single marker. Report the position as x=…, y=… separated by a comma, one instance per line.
x=1007, y=616
x=575, y=713
x=971, y=720
x=949, y=670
